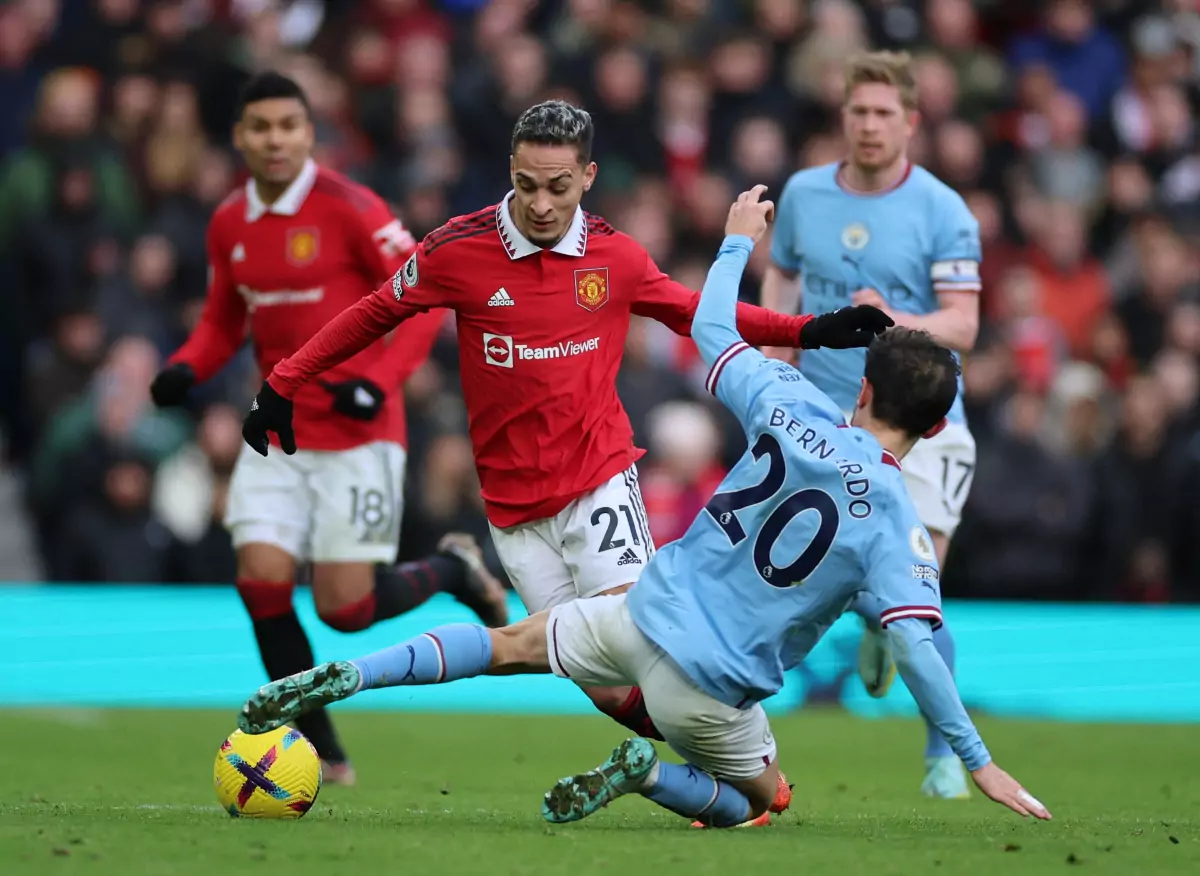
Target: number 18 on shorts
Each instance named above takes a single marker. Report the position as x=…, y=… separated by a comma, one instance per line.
x=325, y=506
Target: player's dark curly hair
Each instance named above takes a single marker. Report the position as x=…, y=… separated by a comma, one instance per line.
x=914, y=379
x=270, y=85
x=556, y=123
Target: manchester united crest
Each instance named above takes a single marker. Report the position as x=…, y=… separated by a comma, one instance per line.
x=591, y=288
x=302, y=246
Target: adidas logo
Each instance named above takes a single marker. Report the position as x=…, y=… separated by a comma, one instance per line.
x=501, y=299
x=238, y=254
x=629, y=558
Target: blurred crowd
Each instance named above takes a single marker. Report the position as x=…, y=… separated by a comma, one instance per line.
x=1070, y=128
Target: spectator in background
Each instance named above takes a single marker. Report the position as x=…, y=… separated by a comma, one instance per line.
x=1074, y=289
x=66, y=134
x=624, y=118
x=61, y=370
x=184, y=489
x=1082, y=55
x=1025, y=535
x=145, y=300
x=115, y=416
x=1065, y=169
x=111, y=536
x=1131, y=519
x=644, y=384
x=189, y=498
x=953, y=27
x=61, y=253
x=686, y=448
x=1167, y=279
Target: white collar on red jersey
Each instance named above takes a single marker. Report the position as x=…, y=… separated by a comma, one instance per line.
x=573, y=243
x=287, y=204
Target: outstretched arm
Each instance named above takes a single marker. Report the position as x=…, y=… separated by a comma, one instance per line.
x=357, y=327
x=714, y=323
x=932, y=686
x=674, y=305
x=407, y=349
x=221, y=330
x=354, y=329
x=737, y=374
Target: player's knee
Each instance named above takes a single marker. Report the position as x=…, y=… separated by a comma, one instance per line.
x=265, y=599
x=609, y=700
x=344, y=595
x=265, y=562
x=760, y=791
x=760, y=802
x=352, y=618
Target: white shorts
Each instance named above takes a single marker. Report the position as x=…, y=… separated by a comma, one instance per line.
x=939, y=472
x=595, y=643
x=598, y=542
x=341, y=506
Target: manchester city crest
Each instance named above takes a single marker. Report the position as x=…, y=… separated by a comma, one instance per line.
x=855, y=236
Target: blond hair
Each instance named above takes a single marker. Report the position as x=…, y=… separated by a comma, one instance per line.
x=886, y=68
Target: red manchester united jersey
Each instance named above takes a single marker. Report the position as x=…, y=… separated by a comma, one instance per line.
x=285, y=270
x=541, y=333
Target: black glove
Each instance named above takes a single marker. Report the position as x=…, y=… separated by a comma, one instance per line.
x=358, y=399
x=270, y=412
x=843, y=329
x=171, y=385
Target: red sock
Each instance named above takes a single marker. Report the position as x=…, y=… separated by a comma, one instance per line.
x=265, y=599
x=633, y=714
x=353, y=617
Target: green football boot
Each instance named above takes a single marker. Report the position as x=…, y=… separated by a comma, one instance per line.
x=281, y=702
x=579, y=796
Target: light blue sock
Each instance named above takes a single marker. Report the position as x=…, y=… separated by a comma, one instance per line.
x=689, y=791
x=445, y=653
x=935, y=743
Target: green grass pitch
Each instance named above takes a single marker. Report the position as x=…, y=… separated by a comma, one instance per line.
x=129, y=793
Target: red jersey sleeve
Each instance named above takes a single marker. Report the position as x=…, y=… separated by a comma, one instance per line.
x=673, y=304
x=222, y=327
x=410, y=345
x=414, y=289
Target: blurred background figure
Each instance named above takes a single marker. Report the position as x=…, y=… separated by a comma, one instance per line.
x=685, y=441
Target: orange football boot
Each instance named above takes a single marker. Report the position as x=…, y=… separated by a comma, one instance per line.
x=783, y=799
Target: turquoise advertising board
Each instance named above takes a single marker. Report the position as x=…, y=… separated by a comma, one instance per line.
x=97, y=646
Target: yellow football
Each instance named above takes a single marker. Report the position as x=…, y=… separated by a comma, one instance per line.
x=272, y=775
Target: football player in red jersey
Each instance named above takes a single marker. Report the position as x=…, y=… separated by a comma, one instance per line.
x=288, y=253
x=543, y=294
